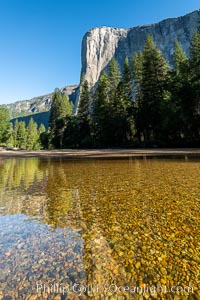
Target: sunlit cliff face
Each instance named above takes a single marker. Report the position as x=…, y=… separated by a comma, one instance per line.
x=100, y=44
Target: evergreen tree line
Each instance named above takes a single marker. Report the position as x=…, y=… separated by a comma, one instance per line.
x=20, y=135
x=28, y=137
x=148, y=104
x=4, y=124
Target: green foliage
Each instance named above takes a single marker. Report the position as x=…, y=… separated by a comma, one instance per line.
x=4, y=124
x=42, y=129
x=72, y=137
x=138, y=75
x=43, y=137
x=180, y=59
x=114, y=77
x=25, y=137
x=15, y=133
x=22, y=136
x=84, y=113
x=154, y=76
x=84, y=102
x=33, y=141
x=195, y=80
x=61, y=108
x=18, y=135
x=185, y=91
x=10, y=139
x=57, y=111
x=127, y=82
x=194, y=50
x=122, y=114
x=100, y=111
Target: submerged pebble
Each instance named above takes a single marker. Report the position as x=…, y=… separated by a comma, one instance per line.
x=113, y=223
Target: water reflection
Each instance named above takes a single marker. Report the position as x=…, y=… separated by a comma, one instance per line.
x=100, y=222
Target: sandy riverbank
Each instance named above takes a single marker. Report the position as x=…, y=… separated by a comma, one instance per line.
x=101, y=153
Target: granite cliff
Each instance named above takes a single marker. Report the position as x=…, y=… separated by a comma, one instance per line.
x=99, y=45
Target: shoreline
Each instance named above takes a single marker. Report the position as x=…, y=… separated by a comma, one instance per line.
x=101, y=153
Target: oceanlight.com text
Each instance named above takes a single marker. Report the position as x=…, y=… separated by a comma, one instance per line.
x=113, y=288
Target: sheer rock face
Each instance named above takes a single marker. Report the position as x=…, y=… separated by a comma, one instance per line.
x=99, y=45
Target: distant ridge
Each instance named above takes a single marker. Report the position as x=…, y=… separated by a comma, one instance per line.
x=38, y=104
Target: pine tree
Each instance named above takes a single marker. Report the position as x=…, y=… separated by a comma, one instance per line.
x=4, y=124
x=22, y=135
x=41, y=129
x=127, y=82
x=180, y=59
x=55, y=111
x=72, y=137
x=15, y=133
x=154, y=77
x=43, y=137
x=125, y=94
x=33, y=142
x=100, y=110
x=67, y=106
x=120, y=117
x=195, y=81
x=10, y=140
x=83, y=114
x=137, y=68
x=138, y=96
x=180, y=91
x=60, y=109
x=117, y=107
x=84, y=102
x=114, y=76
x=195, y=55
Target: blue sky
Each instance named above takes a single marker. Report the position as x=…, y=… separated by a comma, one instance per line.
x=41, y=39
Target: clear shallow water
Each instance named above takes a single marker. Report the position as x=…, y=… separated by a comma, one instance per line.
x=97, y=229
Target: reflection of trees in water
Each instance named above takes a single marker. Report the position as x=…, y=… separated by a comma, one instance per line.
x=20, y=172
x=38, y=188
x=79, y=196
x=59, y=196
x=72, y=196
x=71, y=202
x=112, y=206
x=22, y=183
x=77, y=199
